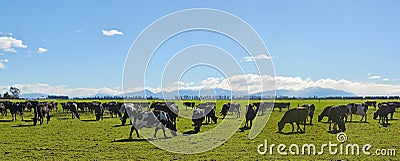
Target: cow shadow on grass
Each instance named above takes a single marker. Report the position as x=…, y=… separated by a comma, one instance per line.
x=6, y=120
x=89, y=120
x=190, y=132
x=128, y=140
x=28, y=120
x=64, y=118
x=291, y=133
x=23, y=125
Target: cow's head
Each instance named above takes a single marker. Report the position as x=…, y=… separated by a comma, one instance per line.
x=375, y=114
x=280, y=126
x=320, y=117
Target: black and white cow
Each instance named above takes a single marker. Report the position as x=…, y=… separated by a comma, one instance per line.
x=170, y=107
x=232, y=108
x=209, y=110
x=98, y=110
x=140, y=119
x=3, y=110
x=73, y=107
x=357, y=109
x=198, y=118
x=41, y=110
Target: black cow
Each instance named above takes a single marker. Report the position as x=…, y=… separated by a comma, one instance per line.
x=263, y=106
x=15, y=107
x=189, y=104
x=232, y=108
x=281, y=105
x=250, y=115
x=209, y=110
x=343, y=111
x=295, y=115
x=113, y=108
x=383, y=111
x=335, y=116
x=371, y=103
x=310, y=110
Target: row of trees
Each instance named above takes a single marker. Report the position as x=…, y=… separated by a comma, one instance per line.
x=14, y=93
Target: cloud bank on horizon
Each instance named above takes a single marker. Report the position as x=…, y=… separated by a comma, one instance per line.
x=234, y=82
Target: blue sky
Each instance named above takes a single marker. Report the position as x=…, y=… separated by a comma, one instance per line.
x=354, y=41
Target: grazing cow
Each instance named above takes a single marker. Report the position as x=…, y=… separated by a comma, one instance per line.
x=198, y=118
x=383, y=112
x=113, y=108
x=41, y=110
x=73, y=107
x=357, y=109
x=170, y=107
x=371, y=103
x=335, y=116
x=232, y=108
x=250, y=115
x=262, y=106
x=310, y=110
x=98, y=110
x=343, y=111
x=189, y=104
x=65, y=107
x=209, y=110
x=140, y=119
x=295, y=115
x=281, y=105
x=15, y=107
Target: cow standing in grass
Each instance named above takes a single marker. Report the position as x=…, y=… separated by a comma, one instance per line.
x=73, y=107
x=281, y=105
x=263, y=106
x=357, y=109
x=310, y=110
x=189, y=104
x=232, y=108
x=41, y=110
x=198, y=118
x=170, y=107
x=15, y=108
x=383, y=111
x=98, y=110
x=295, y=115
x=335, y=115
x=140, y=119
x=343, y=112
x=209, y=110
x=250, y=115
x=3, y=109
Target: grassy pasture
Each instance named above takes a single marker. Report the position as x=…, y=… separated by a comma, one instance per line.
x=70, y=139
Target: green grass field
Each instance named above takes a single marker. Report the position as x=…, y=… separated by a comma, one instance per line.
x=71, y=139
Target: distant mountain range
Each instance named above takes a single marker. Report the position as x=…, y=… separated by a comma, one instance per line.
x=305, y=93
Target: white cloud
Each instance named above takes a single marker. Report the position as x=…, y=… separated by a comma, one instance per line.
x=375, y=77
x=2, y=61
x=111, y=32
x=255, y=58
x=41, y=50
x=7, y=44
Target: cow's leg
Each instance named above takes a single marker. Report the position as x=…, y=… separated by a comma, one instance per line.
x=22, y=115
x=391, y=115
x=133, y=128
x=163, y=129
x=330, y=124
x=351, y=117
x=155, y=132
x=292, y=127
x=311, y=117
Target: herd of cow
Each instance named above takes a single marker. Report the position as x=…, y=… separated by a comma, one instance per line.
x=338, y=114
x=163, y=115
